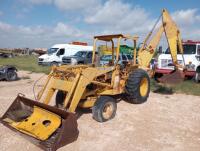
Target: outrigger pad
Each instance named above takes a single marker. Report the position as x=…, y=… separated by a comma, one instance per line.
x=41, y=124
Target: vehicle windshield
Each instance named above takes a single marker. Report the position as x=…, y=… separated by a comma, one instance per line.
x=106, y=57
x=52, y=50
x=81, y=54
x=187, y=49
x=129, y=57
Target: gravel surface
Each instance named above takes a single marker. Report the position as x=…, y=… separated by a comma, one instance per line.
x=163, y=123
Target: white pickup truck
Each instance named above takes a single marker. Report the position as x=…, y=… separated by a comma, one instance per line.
x=191, y=57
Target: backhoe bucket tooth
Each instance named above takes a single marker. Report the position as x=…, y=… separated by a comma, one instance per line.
x=48, y=127
x=175, y=77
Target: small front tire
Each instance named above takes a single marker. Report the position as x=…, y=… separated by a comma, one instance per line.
x=104, y=109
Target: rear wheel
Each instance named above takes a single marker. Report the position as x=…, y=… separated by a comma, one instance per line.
x=137, y=86
x=60, y=97
x=197, y=77
x=104, y=108
x=11, y=75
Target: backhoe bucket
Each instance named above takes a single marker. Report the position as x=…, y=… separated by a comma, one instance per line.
x=175, y=77
x=48, y=127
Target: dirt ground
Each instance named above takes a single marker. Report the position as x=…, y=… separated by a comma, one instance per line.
x=163, y=123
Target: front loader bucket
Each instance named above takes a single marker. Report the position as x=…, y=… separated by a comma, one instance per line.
x=175, y=77
x=48, y=127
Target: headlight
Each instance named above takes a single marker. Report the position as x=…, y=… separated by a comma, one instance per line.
x=74, y=61
x=47, y=59
x=41, y=59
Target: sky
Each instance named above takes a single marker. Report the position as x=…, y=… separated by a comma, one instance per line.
x=42, y=23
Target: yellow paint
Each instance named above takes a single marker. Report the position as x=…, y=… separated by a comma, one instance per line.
x=144, y=87
x=87, y=103
x=134, y=52
x=87, y=76
x=41, y=124
x=150, y=44
x=93, y=52
x=110, y=92
x=69, y=94
x=118, y=49
x=145, y=55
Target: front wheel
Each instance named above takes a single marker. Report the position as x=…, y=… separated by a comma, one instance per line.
x=60, y=97
x=197, y=77
x=11, y=75
x=104, y=109
x=54, y=63
x=137, y=86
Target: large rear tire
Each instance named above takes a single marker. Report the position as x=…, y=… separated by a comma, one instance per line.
x=104, y=109
x=137, y=86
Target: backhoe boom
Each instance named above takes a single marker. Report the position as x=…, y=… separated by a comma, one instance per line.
x=172, y=34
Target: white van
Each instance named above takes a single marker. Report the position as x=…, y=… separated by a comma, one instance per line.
x=57, y=52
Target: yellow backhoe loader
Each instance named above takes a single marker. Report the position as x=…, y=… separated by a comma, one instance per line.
x=151, y=42
x=85, y=86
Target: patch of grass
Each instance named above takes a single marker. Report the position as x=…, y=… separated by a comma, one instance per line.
x=162, y=89
x=186, y=87
x=28, y=63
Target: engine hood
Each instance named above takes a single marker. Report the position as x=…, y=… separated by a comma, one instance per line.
x=43, y=56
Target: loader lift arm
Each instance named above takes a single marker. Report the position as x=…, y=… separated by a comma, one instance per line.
x=172, y=33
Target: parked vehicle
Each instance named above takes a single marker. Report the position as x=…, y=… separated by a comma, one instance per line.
x=57, y=52
x=123, y=59
x=81, y=57
x=5, y=55
x=8, y=73
x=191, y=58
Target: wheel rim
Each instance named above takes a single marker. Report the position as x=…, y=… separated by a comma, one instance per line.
x=11, y=75
x=107, y=111
x=144, y=87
